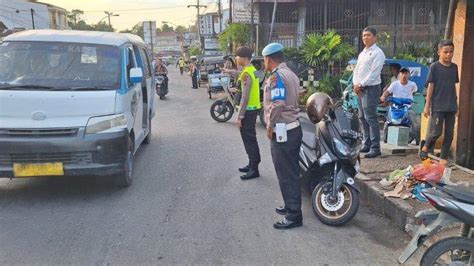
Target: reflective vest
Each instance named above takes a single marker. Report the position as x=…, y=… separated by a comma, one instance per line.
x=254, y=96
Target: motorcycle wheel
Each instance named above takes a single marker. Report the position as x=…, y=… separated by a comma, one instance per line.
x=221, y=111
x=335, y=213
x=458, y=250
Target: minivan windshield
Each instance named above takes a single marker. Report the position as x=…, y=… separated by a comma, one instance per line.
x=55, y=65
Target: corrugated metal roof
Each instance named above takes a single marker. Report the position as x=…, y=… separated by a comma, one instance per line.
x=75, y=36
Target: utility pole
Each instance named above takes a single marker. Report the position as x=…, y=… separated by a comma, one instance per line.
x=273, y=20
x=251, y=25
x=198, y=6
x=151, y=37
x=110, y=14
x=230, y=11
x=220, y=15
x=32, y=17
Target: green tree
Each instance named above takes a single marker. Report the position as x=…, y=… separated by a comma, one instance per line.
x=180, y=29
x=82, y=25
x=236, y=34
x=166, y=28
x=74, y=16
x=103, y=26
x=137, y=30
x=194, y=50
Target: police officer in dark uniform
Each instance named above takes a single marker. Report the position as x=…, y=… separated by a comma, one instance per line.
x=249, y=109
x=284, y=131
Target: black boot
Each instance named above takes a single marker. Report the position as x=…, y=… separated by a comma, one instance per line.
x=245, y=169
x=252, y=173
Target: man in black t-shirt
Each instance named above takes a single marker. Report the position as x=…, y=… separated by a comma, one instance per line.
x=441, y=100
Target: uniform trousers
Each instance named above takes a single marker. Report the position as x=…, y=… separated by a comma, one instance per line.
x=249, y=137
x=285, y=161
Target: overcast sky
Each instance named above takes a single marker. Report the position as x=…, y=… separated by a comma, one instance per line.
x=174, y=11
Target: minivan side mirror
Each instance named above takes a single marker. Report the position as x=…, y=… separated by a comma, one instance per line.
x=136, y=75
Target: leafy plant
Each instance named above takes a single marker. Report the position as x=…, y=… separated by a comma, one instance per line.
x=236, y=34
x=194, y=50
x=292, y=53
x=384, y=39
x=406, y=56
x=328, y=84
x=325, y=49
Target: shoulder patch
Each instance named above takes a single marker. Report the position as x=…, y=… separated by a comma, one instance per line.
x=278, y=89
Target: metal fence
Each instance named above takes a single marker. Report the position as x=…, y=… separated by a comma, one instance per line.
x=396, y=21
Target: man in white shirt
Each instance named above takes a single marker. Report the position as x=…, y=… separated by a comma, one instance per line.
x=366, y=83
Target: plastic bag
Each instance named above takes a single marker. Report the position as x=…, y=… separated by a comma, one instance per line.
x=428, y=171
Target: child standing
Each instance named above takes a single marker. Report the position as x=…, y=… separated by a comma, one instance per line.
x=441, y=101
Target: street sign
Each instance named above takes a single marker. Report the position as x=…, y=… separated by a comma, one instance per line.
x=211, y=43
x=149, y=32
x=242, y=10
x=207, y=24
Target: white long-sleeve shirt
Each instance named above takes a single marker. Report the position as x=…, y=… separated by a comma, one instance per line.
x=369, y=66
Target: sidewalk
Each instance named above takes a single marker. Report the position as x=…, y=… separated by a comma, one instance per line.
x=401, y=212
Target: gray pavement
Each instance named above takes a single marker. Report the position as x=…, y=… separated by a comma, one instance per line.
x=186, y=205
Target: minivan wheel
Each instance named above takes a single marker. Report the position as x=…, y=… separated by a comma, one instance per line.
x=124, y=179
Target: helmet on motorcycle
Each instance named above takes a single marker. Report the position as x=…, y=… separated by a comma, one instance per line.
x=317, y=106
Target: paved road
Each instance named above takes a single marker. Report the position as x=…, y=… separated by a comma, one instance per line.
x=186, y=205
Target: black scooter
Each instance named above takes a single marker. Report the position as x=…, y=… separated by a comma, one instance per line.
x=161, y=85
x=329, y=162
x=453, y=205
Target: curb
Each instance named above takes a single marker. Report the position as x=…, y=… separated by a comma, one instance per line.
x=399, y=212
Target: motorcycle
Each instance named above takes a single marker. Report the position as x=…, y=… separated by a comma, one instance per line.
x=223, y=109
x=400, y=114
x=161, y=86
x=329, y=162
x=453, y=205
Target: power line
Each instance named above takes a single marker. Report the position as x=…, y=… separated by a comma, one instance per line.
x=134, y=9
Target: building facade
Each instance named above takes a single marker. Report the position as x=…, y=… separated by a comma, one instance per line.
x=168, y=42
x=18, y=15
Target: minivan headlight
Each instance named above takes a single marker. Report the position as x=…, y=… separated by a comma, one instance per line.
x=106, y=124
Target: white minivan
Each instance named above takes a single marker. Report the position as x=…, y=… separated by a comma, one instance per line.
x=74, y=103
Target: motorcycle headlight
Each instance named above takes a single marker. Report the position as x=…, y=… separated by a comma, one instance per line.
x=326, y=158
x=341, y=147
x=106, y=124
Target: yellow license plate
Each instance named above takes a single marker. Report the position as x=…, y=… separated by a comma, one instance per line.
x=37, y=169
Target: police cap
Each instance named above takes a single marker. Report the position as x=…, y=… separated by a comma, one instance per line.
x=272, y=48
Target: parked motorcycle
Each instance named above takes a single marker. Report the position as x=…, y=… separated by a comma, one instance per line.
x=453, y=205
x=400, y=114
x=161, y=86
x=329, y=160
x=223, y=109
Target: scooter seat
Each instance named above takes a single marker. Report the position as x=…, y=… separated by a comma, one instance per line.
x=462, y=194
x=309, y=133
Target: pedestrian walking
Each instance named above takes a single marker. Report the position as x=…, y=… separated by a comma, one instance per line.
x=367, y=85
x=284, y=131
x=249, y=109
x=181, y=65
x=194, y=73
x=441, y=101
